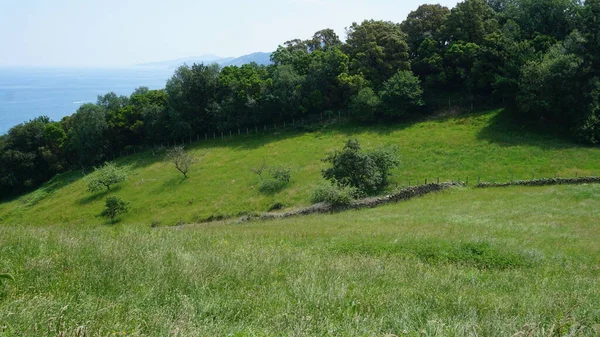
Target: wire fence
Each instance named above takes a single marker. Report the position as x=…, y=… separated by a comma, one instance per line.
x=327, y=117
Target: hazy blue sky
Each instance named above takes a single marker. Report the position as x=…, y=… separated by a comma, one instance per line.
x=126, y=32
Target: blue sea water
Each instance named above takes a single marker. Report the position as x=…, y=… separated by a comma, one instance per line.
x=26, y=93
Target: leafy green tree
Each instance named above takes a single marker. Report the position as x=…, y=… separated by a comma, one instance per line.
x=367, y=172
x=113, y=207
x=86, y=135
x=180, y=159
x=554, y=18
x=365, y=105
x=191, y=91
x=284, y=98
x=402, y=94
x=321, y=82
x=429, y=64
x=552, y=89
x=424, y=23
x=324, y=40
x=470, y=21
x=377, y=50
x=241, y=93
x=105, y=176
x=589, y=129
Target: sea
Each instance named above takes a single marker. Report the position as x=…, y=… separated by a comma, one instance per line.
x=26, y=93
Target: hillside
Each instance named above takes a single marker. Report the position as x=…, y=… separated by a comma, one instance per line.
x=469, y=146
x=465, y=262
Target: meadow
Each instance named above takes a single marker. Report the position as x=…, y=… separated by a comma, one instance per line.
x=513, y=261
x=482, y=144
x=519, y=261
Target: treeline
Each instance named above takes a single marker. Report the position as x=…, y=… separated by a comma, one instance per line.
x=540, y=57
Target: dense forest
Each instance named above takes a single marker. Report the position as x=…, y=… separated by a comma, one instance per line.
x=540, y=58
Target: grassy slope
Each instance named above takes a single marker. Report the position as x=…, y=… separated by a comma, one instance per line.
x=473, y=145
x=463, y=262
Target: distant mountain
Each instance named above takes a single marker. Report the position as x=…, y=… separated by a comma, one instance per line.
x=259, y=58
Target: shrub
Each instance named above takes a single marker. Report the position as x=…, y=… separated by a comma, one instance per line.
x=105, y=177
x=270, y=186
x=368, y=172
x=279, y=177
x=282, y=174
x=336, y=196
x=113, y=207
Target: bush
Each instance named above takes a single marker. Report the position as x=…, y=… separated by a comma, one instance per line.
x=113, y=207
x=105, y=177
x=368, y=172
x=279, y=177
x=336, y=196
x=270, y=186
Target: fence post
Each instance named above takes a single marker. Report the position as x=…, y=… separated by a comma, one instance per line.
x=214, y=135
x=425, y=181
x=265, y=128
x=438, y=180
x=205, y=135
x=284, y=124
x=229, y=133
x=239, y=133
x=467, y=182
x=478, y=180
x=221, y=134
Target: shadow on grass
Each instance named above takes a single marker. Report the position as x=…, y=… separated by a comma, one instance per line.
x=97, y=196
x=506, y=130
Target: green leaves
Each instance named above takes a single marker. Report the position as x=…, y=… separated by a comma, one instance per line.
x=113, y=207
x=105, y=176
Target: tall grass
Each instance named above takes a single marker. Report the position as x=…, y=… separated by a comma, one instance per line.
x=464, y=262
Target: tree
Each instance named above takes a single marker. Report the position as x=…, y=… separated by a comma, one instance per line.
x=377, y=49
x=324, y=40
x=113, y=207
x=86, y=135
x=424, y=23
x=368, y=172
x=470, y=21
x=105, y=176
x=191, y=90
x=553, y=89
x=402, y=94
x=365, y=105
x=180, y=158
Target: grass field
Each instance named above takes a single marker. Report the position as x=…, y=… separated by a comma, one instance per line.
x=221, y=183
x=515, y=261
x=464, y=262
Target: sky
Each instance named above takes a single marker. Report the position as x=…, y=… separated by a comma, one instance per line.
x=117, y=33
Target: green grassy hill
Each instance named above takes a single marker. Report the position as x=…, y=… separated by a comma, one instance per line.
x=463, y=262
x=516, y=261
x=221, y=183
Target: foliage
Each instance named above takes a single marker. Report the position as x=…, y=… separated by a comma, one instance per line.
x=334, y=195
x=402, y=94
x=367, y=172
x=538, y=57
x=180, y=159
x=365, y=105
x=105, y=176
x=113, y=207
x=279, y=177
